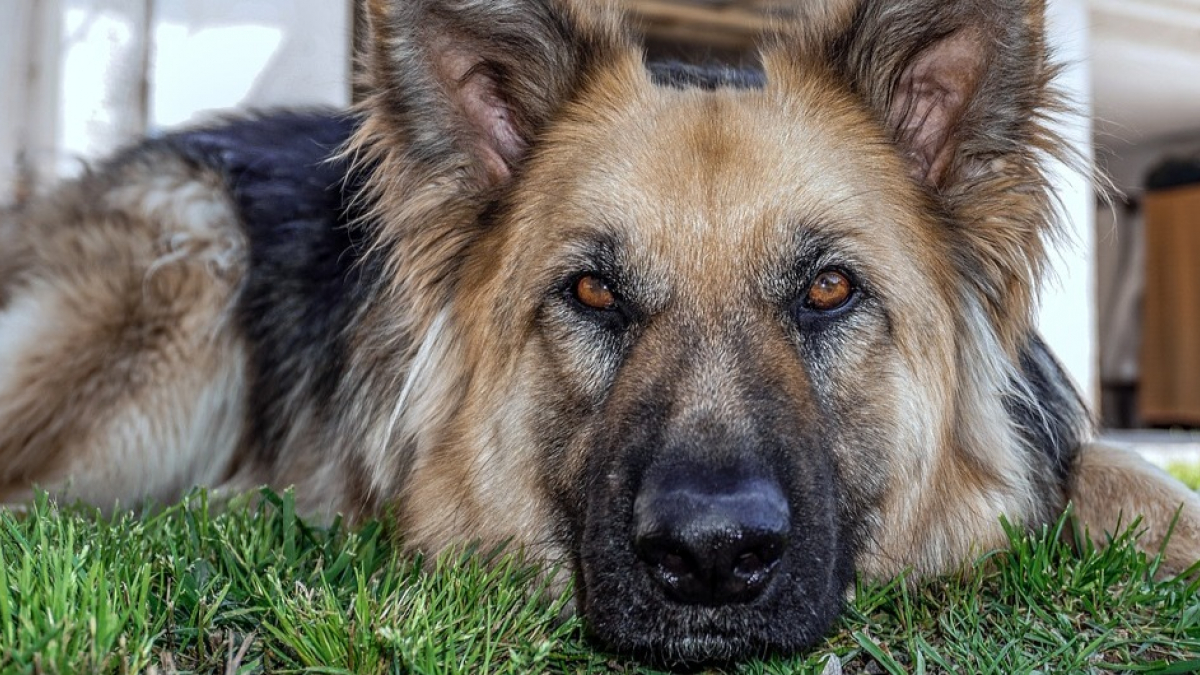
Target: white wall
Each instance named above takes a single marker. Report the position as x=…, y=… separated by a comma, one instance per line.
x=1068, y=310
x=100, y=86
x=1127, y=164
x=79, y=77
x=29, y=93
x=221, y=54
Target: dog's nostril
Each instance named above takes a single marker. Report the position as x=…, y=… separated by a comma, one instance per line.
x=674, y=564
x=709, y=542
x=677, y=572
x=720, y=566
x=754, y=566
x=751, y=564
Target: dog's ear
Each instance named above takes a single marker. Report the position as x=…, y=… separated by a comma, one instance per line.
x=465, y=85
x=964, y=91
x=957, y=84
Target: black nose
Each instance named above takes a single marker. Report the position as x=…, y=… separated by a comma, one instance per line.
x=710, y=537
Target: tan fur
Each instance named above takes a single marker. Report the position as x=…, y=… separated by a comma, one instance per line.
x=1112, y=486
x=118, y=380
x=501, y=141
x=650, y=153
x=945, y=492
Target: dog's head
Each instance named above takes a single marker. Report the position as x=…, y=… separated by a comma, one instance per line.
x=717, y=347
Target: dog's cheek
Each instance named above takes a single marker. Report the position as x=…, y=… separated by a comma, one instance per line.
x=567, y=374
x=861, y=390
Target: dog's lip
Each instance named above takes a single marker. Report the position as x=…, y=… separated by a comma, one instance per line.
x=699, y=649
x=713, y=632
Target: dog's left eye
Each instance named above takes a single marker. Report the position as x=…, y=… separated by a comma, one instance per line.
x=829, y=292
x=594, y=292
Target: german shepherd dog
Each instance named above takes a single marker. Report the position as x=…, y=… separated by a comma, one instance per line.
x=716, y=341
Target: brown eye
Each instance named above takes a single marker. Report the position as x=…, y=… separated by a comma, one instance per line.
x=829, y=291
x=593, y=292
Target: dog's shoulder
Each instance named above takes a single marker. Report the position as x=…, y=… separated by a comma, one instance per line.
x=279, y=166
x=299, y=199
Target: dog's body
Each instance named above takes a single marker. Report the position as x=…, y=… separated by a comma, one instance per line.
x=717, y=343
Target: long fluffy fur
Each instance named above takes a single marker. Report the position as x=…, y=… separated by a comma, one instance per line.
x=378, y=306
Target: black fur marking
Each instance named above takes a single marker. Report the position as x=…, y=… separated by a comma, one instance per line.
x=685, y=75
x=306, y=278
x=1054, y=421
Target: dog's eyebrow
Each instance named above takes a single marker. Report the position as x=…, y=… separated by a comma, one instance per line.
x=812, y=247
x=602, y=250
x=606, y=251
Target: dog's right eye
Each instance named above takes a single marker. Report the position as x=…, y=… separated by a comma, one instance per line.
x=594, y=292
x=831, y=294
x=598, y=300
x=830, y=291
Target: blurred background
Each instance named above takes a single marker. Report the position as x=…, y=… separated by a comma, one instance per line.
x=1122, y=309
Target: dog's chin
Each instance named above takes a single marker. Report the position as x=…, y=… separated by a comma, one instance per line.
x=628, y=613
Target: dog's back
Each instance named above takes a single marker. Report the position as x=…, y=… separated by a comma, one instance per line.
x=117, y=375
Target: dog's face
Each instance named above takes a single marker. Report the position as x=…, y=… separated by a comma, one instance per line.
x=727, y=298
x=708, y=343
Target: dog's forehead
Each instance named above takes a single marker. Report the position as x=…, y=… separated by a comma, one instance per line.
x=731, y=172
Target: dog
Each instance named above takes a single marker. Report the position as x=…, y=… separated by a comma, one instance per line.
x=717, y=342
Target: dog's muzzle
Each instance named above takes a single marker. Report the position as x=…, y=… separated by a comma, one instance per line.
x=711, y=550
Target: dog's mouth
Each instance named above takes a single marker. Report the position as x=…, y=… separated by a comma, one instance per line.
x=637, y=621
x=704, y=567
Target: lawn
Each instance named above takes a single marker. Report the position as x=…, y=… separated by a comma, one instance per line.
x=253, y=589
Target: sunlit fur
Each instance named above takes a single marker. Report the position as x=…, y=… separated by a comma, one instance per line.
x=376, y=308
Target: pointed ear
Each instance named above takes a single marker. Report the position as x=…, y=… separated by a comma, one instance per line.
x=928, y=110
x=957, y=84
x=468, y=84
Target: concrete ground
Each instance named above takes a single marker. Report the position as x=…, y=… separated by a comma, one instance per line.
x=1161, y=447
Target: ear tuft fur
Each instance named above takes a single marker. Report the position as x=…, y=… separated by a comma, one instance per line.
x=468, y=84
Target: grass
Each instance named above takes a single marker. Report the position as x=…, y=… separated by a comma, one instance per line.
x=254, y=589
x=1187, y=472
